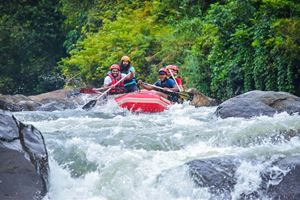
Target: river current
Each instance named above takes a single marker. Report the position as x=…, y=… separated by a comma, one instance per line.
x=111, y=154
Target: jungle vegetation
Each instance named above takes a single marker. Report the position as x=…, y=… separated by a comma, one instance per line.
x=223, y=47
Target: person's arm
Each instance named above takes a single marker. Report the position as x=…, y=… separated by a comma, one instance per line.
x=142, y=85
x=131, y=69
x=99, y=90
x=107, y=83
x=172, y=85
x=128, y=76
x=132, y=73
x=147, y=87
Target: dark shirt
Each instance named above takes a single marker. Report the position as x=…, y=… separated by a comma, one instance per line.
x=167, y=83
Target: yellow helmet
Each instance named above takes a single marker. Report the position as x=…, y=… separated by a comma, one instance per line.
x=125, y=58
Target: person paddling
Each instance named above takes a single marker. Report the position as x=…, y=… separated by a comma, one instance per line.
x=173, y=69
x=113, y=77
x=163, y=82
x=130, y=85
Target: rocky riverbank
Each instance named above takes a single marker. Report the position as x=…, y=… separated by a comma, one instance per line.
x=70, y=99
x=24, y=160
x=55, y=100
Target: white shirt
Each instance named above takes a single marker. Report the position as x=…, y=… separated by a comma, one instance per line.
x=108, y=81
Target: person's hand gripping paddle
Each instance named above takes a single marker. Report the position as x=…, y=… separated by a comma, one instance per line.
x=93, y=102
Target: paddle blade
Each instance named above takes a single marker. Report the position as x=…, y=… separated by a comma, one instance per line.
x=89, y=105
x=186, y=96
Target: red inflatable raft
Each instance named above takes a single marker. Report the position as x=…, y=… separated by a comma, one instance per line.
x=143, y=101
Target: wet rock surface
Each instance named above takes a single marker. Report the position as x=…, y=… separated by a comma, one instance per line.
x=256, y=103
x=200, y=99
x=50, y=101
x=216, y=174
x=24, y=160
x=279, y=179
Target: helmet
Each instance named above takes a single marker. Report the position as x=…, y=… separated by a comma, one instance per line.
x=172, y=67
x=115, y=66
x=175, y=68
x=163, y=70
x=125, y=58
x=169, y=67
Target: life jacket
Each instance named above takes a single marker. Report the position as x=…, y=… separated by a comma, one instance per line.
x=127, y=71
x=164, y=83
x=178, y=80
x=118, y=89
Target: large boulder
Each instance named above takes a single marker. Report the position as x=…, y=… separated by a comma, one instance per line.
x=50, y=101
x=17, y=103
x=216, y=174
x=24, y=160
x=55, y=95
x=256, y=103
x=200, y=99
x=58, y=100
x=279, y=179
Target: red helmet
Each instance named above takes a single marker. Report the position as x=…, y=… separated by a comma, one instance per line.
x=163, y=70
x=172, y=67
x=168, y=67
x=175, y=68
x=115, y=66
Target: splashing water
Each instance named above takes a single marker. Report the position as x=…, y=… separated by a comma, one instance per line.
x=110, y=153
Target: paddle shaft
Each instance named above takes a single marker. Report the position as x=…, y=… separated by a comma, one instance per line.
x=93, y=102
x=184, y=95
x=163, y=89
x=122, y=79
x=179, y=88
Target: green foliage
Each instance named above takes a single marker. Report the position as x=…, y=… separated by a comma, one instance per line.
x=276, y=43
x=30, y=44
x=254, y=46
x=127, y=35
x=223, y=47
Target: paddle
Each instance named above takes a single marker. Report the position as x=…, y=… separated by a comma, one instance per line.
x=184, y=95
x=180, y=89
x=88, y=91
x=93, y=102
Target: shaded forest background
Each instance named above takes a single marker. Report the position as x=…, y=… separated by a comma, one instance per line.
x=223, y=47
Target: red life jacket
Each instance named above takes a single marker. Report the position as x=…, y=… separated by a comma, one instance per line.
x=118, y=89
x=178, y=80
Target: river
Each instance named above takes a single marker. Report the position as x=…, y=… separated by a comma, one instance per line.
x=111, y=154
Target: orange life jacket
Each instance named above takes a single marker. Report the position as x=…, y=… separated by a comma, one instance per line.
x=119, y=88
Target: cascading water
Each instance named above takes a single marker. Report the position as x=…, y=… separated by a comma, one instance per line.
x=110, y=153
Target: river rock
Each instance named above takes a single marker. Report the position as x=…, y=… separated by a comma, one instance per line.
x=217, y=174
x=279, y=180
x=256, y=103
x=55, y=95
x=200, y=99
x=50, y=101
x=57, y=104
x=17, y=103
x=24, y=160
x=282, y=178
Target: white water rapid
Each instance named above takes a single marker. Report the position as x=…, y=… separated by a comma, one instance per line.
x=111, y=154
